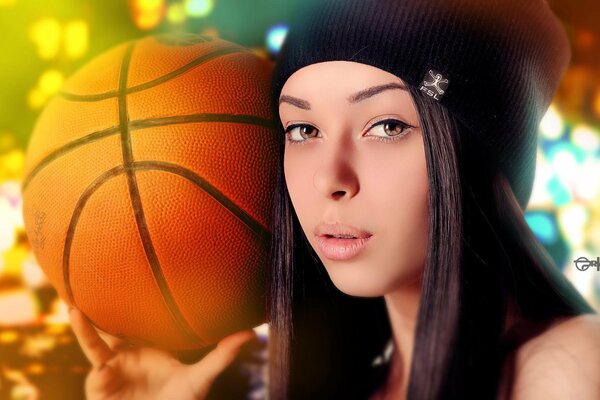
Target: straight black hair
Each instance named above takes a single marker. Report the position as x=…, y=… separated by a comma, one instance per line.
x=481, y=258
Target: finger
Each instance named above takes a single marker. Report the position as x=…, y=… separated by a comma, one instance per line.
x=94, y=348
x=218, y=359
x=114, y=343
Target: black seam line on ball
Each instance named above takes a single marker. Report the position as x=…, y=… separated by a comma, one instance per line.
x=263, y=234
x=143, y=124
x=138, y=209
x=256, y=227
x=155, y=82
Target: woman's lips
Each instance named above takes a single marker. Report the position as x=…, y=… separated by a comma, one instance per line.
x=340, y=249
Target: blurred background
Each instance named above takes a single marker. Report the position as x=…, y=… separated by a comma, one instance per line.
x=43, y=43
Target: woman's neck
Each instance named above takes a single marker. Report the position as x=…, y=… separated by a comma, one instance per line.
x=402, y=307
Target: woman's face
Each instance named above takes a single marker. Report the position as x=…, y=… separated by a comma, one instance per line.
x=355, y=167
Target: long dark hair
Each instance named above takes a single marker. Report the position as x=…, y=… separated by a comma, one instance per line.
x=481, y=255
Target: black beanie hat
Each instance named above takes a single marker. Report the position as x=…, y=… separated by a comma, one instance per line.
x=495, y=64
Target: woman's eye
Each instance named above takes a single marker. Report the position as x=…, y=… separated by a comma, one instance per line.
x=299, y=133
x=389, y=128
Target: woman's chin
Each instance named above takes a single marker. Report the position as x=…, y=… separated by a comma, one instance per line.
x=359, y=286
x=360, y=283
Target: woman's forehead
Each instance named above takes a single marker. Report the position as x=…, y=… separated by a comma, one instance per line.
x=342, y=75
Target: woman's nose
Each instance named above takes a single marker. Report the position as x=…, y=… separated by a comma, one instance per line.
x=336, y=177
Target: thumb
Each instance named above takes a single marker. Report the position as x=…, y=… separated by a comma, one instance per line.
x=217, y=360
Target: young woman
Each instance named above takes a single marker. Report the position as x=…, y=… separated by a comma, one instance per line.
x=408, y=158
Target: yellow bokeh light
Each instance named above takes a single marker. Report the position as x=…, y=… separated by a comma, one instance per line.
x=35, y=369
x=176, y=13
x=50, y=81
x=46, y=34
x=76, y=37
x=12, y=164
x=149, y=5
x=147, y=14
x=13, y=261
x=147, y=21
x=9, y=336
x=7, y=3
x=36, y=99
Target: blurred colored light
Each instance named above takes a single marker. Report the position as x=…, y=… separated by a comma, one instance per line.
x=176, y=13
x=585, y=39
x=149, y=5
x=587, y=181
x=586, y=138
x=147, y=14
x=13, y=261
x=210, y=31
x=12, y=164
x=560, y=195
x=17, y=307
x=46, y=34
x=543, y=225
x=572, y=220
x=543, y=173
x=35, y=369
x=148, y=21
x=596, y=102
x=594, y=234
x=23, y=389
x=7, y=227
x=76, y=38
x=9, y=336
x=59, y=314
x=7, y=141
x=552, y=125
x=275, y=37
x=51, y=81
x=35, y=99
x=566, y=160
x=33, y=275
x=12, y=191
x=199, y=8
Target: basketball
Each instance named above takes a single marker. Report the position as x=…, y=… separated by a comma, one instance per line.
x=148, y=187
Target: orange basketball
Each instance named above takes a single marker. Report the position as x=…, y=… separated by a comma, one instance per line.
x=148, y=186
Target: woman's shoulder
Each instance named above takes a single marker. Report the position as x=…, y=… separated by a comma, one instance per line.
x=560, y=362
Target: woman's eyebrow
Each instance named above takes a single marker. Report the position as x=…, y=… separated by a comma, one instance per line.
x=355, y=98
x=372, y=91
x=303, y=104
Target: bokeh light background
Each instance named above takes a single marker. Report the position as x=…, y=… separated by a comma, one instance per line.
x=43, y=43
